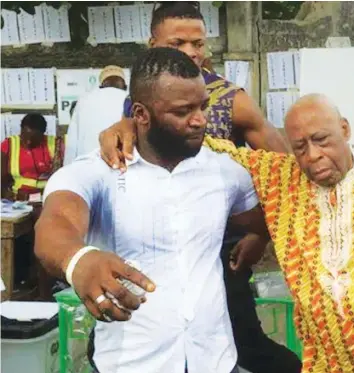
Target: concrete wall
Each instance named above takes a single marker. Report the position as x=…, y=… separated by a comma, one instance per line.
x=243, y=34
x=252, y=37
x=315, y=22
x=66, y=55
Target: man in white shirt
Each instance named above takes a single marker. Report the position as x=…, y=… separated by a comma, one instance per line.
x=158, y=213
x=94, y=112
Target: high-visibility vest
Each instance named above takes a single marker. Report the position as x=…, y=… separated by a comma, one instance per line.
x=19, y=181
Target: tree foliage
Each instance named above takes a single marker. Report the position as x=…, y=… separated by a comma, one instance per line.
x=283, y=10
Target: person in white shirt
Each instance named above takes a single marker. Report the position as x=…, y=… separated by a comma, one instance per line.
x=94, y=112
x=159, y=214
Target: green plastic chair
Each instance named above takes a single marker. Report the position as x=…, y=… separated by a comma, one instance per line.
x=292, y=342
x=75, y=323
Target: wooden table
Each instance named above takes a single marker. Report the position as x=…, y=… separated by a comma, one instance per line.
x=11, y=228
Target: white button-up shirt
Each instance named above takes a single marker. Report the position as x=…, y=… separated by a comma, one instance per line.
x=173, y=224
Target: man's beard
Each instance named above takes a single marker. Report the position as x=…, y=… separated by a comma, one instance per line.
x=170, y=145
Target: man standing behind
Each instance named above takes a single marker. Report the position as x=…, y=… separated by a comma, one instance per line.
x=149, y=214
x=94, y=112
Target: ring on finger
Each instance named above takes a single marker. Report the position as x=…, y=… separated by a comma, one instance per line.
x=106, y=317
x=101, y=298
x=115, y=301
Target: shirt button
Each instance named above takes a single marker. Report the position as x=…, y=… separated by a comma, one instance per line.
x=188, y=314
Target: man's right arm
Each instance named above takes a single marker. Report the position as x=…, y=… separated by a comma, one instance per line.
x=60, y=234
x=66, y=216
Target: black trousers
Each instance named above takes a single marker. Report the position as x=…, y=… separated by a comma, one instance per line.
x=256, y=352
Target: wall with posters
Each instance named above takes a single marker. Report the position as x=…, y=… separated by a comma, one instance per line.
x=314, y=24
x=248, y=32
x=109, y=34
x=118, y=48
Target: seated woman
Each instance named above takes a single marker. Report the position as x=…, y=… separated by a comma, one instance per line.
x=29, y=159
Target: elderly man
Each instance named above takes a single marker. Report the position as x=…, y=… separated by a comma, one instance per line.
x=308, y=200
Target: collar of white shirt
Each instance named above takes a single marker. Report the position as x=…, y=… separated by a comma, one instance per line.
x=191, y=161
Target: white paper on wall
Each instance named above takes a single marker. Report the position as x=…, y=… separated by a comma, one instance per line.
x=6, y=120
x=211, y=17
x=127, y=20
x=31, y=26
x=56, y=24
x=17, y=89
x=42, y=86
x=278, y=104
x=14, y=124
x=237, y=72
x=281, y=70
x=101, y=24
x=296, y=59
x=145, y=11
x=329, y=71
x=51, y=125
x=4, y=125
x=3, y=96
x=9, y=33
x=3, y=130
x=71, y=84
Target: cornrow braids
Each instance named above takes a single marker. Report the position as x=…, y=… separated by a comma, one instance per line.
x=152, y=64
x=175, y=9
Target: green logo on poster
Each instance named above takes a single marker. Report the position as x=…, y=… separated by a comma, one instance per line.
x=92, y=80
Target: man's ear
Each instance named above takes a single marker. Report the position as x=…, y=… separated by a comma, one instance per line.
x=141, y=115
x=152, y=42
x=345, y=128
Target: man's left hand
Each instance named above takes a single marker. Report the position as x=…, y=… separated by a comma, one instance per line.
x=247, y=252
x=117, y=143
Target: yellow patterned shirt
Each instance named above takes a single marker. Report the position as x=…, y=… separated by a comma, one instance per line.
x=312, y=231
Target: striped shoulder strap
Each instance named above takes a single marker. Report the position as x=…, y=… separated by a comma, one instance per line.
x=15, y=144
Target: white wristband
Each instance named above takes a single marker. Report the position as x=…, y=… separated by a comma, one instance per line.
x=73, y=261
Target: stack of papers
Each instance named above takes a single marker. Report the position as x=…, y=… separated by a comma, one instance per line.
x=16, y=209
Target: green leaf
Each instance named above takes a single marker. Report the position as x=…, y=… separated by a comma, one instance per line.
x=217, y=4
